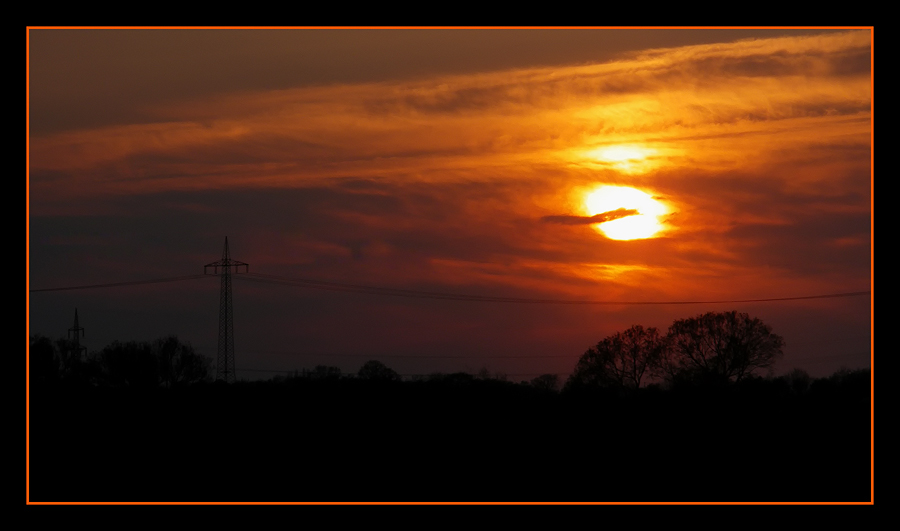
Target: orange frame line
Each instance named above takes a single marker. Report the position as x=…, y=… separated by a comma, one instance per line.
x=28, y=266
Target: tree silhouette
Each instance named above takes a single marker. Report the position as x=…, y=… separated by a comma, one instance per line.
x=131, y=364
x=547, y=382
x=797, y=380
x=718, y=347
x=375, y=370
x=71, y=361
x=322, y=372
x=622, y=360
x=44, y=361
x=179, y=363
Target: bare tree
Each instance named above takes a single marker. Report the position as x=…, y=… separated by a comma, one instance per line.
x=375, y=370
x=719, y=346
x=131, y=364
x=44, y=361
x=547, y=382
x=622, y=360
x=179, y=363
x=322, y=372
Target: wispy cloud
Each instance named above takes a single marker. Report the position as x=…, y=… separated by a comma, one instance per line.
x=741, y=133
x=589, y=220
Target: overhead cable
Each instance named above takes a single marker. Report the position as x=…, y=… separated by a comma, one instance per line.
x=120, y=284
x=397, y=292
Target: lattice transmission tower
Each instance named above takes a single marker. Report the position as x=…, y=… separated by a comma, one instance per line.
x=225, y=369
x=76, y=351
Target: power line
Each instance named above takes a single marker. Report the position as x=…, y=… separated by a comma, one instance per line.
x=396, y=292
x=352, y=375
x=120, y=284
x=408, y=356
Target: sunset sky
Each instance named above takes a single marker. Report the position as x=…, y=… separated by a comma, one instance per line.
x=452, y=161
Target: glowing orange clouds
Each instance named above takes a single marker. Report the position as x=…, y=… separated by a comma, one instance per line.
x=625, y=158
x=715, y=107
x=731, y=170
x=734, y=135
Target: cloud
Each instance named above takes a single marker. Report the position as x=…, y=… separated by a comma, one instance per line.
x=735, y=95
x=477, y=168
x=590, y=220
x=458, y=183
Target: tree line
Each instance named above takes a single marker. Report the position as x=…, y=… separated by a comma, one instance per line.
x=713, y=348
x=639, y=400
x=164, y=362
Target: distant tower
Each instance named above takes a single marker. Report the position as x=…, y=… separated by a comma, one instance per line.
x=75, y=348
x=225, y=369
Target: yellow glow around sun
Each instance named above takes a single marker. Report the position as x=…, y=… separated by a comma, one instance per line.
x=645, y=224
x=627, y=158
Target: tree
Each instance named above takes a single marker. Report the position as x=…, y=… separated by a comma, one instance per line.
x=622, y=360
x=179, y=363
x=375, y=370
x=322, y=372
x=131, y=364
x=44, y=362
x=718, y=347
x=797, y=380
x=546, y=382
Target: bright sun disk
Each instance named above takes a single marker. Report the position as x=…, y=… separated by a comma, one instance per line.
x=645, y=224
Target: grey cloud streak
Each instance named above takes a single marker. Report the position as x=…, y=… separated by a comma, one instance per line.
x=590, y=220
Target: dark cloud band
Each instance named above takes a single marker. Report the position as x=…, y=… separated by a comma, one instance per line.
x=589, y=220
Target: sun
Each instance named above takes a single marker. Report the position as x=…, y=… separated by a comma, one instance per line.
x=644, y=224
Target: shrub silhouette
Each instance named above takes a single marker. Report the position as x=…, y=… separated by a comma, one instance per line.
x=798, y=381
x=322, y=372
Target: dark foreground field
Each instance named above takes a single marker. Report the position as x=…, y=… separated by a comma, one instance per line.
x=451, y=440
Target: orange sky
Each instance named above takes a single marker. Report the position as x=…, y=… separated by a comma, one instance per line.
x=759, y=147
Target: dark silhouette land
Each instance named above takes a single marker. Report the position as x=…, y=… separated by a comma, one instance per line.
x=145, y=422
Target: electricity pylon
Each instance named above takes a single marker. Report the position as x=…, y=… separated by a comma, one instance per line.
x=225, y=369
x=75, y=348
